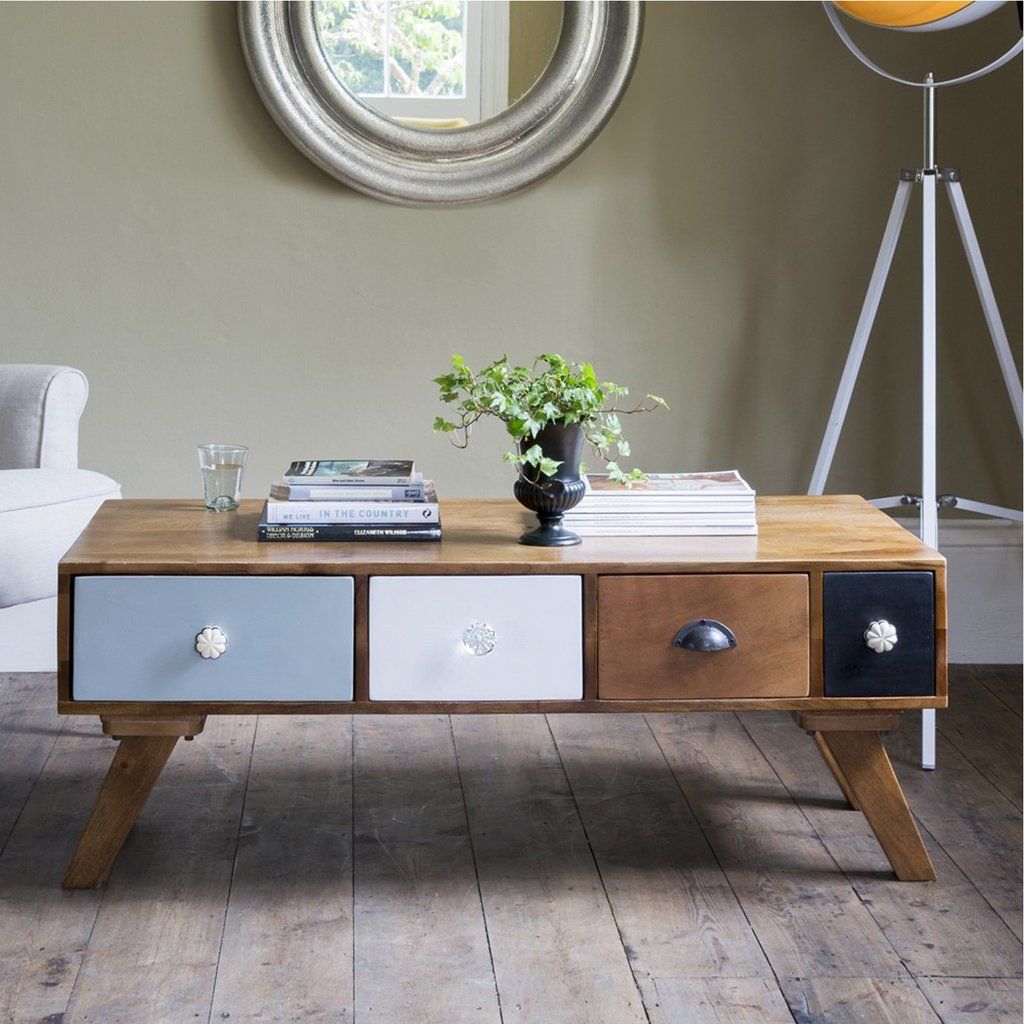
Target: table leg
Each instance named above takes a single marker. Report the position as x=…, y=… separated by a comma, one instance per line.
x=860, y=759
x=833, y=767
x=141, y=755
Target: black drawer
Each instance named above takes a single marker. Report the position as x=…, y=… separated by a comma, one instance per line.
x=851, y=602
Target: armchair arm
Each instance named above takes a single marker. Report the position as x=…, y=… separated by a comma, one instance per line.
x=39, y=411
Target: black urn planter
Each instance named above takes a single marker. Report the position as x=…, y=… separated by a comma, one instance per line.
x=550, y=497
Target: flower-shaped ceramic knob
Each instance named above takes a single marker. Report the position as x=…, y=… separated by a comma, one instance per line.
x=211, y=642
x=479, y=639
x=881, y=636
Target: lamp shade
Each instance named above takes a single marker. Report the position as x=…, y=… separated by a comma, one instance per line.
x=920, y=16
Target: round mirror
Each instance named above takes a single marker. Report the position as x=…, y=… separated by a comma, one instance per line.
x=440, y=101
x=439, y=64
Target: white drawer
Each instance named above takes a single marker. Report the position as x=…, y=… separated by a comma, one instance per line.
x=420, y=644
x=285, y=638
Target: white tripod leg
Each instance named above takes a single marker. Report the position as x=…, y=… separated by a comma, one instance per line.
x=929, y=496
x=929, y=488
x=928, y=739
x=988, y=300
x=860, y=338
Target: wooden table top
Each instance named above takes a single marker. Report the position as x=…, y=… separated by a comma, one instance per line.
x=834, y=532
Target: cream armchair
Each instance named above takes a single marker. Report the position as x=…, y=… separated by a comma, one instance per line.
x=45, y=499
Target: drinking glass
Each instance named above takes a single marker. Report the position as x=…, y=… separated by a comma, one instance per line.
x=222, y=466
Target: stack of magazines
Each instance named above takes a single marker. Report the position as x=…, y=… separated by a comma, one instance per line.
x=666, y=505
x=351, y=500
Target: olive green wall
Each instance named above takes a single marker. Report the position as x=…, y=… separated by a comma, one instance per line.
x=533, y=30
x=713, y=245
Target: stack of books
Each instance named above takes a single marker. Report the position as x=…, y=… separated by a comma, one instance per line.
x=666, y=505
x=351, y=500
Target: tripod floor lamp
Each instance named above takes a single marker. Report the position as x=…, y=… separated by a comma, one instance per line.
x=929, y=178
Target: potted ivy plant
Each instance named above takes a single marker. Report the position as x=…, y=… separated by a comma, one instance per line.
x=550, y=409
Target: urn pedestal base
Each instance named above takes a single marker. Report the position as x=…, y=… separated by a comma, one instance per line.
x=550, y=534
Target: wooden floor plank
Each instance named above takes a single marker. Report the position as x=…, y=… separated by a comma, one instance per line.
x=45, y=929
x=20, y=688
x=942, y=927
x=29, y=727
x=153, y=953
x=986, y=732
x=807, y=917
x=967, y=816
x=557, y=953
x=1003, y=682
x=975, y=1000
x=858, y=1001
x=679, y=920
x=286, y=953
x=714, y=1001
x=655, y=912
x=421, y=950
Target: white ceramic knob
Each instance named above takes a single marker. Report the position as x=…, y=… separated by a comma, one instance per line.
x=211, y=642
x=479, y=639
x=881, y=636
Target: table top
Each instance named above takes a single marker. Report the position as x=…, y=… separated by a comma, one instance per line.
x=169, y=536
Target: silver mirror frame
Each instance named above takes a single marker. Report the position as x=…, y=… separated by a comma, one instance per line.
x=538, y=135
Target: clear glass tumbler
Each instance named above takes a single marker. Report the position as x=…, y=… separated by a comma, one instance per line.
x=222, y=466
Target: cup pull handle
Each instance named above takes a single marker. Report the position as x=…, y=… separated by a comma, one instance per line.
x=705, y=635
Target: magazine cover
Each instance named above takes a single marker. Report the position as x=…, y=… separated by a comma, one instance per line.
x=718, y=483
x=398, y=471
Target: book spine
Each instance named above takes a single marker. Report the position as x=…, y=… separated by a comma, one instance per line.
x=351, y=481
x=659, y=521
x=658, y=531
x=339, y=492
x=700, y=515
x=627, y=506
x=351, y=512
x=271, y=532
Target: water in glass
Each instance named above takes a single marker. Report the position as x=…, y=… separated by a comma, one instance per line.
x=222, y=466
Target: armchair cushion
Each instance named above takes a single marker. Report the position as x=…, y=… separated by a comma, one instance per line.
x=42, y=511
x=39, y=411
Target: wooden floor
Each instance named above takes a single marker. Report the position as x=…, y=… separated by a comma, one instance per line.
x=603, y=869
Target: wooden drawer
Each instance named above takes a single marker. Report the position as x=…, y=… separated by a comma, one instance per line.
x=422, y=641
x=640, y=617
x=851, y=602
x=288, y=638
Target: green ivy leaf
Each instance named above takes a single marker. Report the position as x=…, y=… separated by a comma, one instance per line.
x=528, y=398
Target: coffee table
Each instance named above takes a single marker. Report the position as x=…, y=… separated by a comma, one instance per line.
x=169, y=613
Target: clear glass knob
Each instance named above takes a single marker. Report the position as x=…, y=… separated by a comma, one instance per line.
x=479, y=639
x=211, y=642
x=881, y=636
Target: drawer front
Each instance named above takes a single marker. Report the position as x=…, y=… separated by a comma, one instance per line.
x=851, y=602
x=640, y=618
x=288, y=638
x=476, y=638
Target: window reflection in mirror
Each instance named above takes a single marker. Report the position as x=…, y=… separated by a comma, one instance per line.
x=438, y=63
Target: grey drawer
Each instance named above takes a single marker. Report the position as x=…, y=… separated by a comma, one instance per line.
x=288, y=638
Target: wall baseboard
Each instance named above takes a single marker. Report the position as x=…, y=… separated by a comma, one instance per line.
x=986, y=608
x=28, y=637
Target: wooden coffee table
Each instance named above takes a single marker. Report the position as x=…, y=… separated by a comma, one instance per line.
x=169, y=613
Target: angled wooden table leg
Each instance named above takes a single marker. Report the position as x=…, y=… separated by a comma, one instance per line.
x=856, y=748
x=145, y=746
x=837, y=774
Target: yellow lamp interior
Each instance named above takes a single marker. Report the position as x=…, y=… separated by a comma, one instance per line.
x=899, y=14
